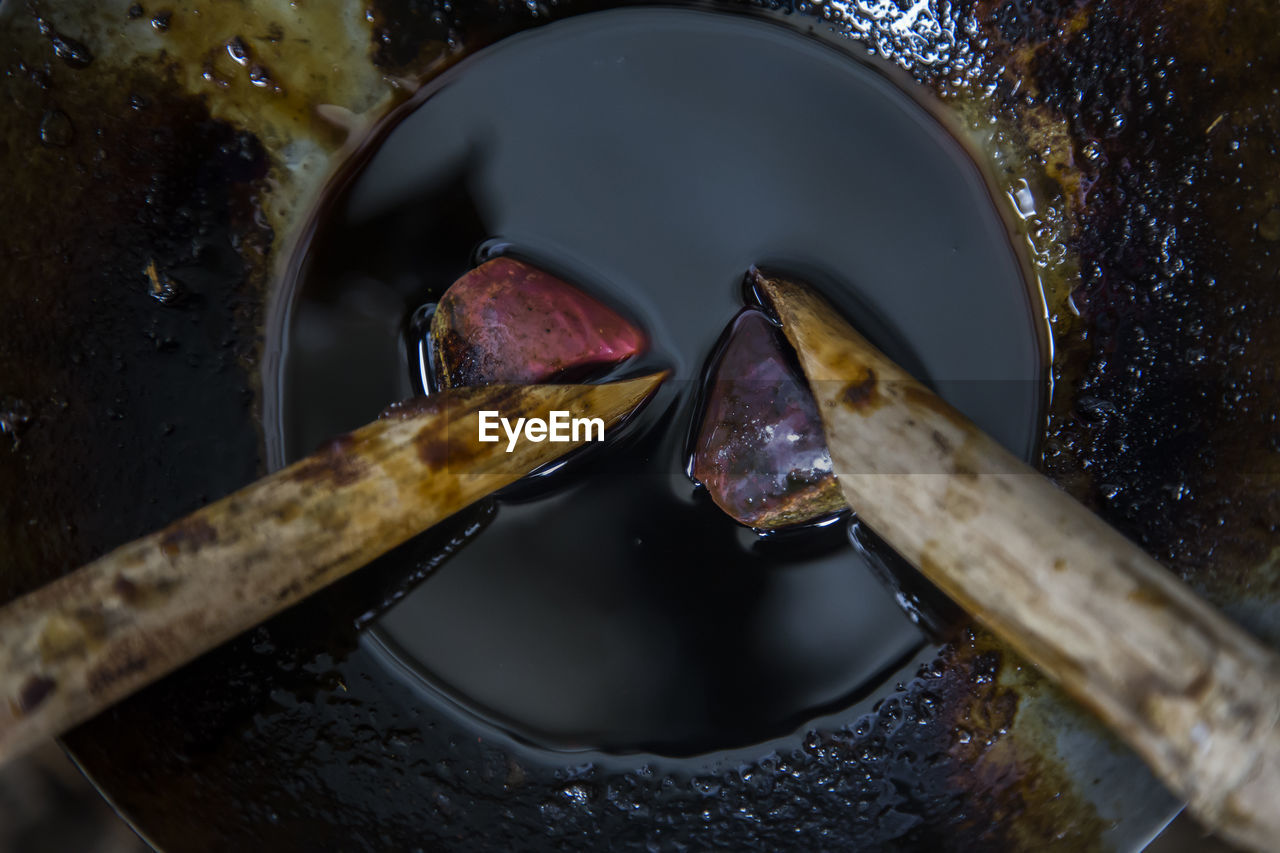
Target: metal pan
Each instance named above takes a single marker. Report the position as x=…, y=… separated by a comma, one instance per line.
x=160, y=162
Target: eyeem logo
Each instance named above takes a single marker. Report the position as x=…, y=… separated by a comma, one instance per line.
x=560, y=427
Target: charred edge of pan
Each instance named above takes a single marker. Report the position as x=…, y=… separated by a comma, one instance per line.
x=334, y=462
x=34, y=691
x=190, y=535
x=861, y=394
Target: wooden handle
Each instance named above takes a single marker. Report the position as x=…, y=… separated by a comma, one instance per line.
x=1191, y=692
x=72, y=648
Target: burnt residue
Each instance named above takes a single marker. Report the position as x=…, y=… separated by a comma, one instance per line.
x=1172, y=416
x=1156, y=121
x=898, y=778
x=410, y=34
x=126, y=397
x=885, y=782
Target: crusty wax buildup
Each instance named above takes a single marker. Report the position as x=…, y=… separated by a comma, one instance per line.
x=760, y=450
x=507, y=321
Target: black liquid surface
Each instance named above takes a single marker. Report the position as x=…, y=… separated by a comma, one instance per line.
x=651, y=156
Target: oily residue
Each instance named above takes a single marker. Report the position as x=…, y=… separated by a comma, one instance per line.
x=1170, y=429
x=897, y=778
x=74, y=53
x=409, y=36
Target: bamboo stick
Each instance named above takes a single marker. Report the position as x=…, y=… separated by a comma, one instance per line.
x=72, y=648
x=1194, y=695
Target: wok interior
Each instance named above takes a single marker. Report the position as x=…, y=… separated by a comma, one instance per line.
x=611, y=605
x=1136, y=142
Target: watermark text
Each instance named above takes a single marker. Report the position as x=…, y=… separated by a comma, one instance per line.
x=561, y=426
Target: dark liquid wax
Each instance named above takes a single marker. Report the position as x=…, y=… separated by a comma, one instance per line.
x=650, y=157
